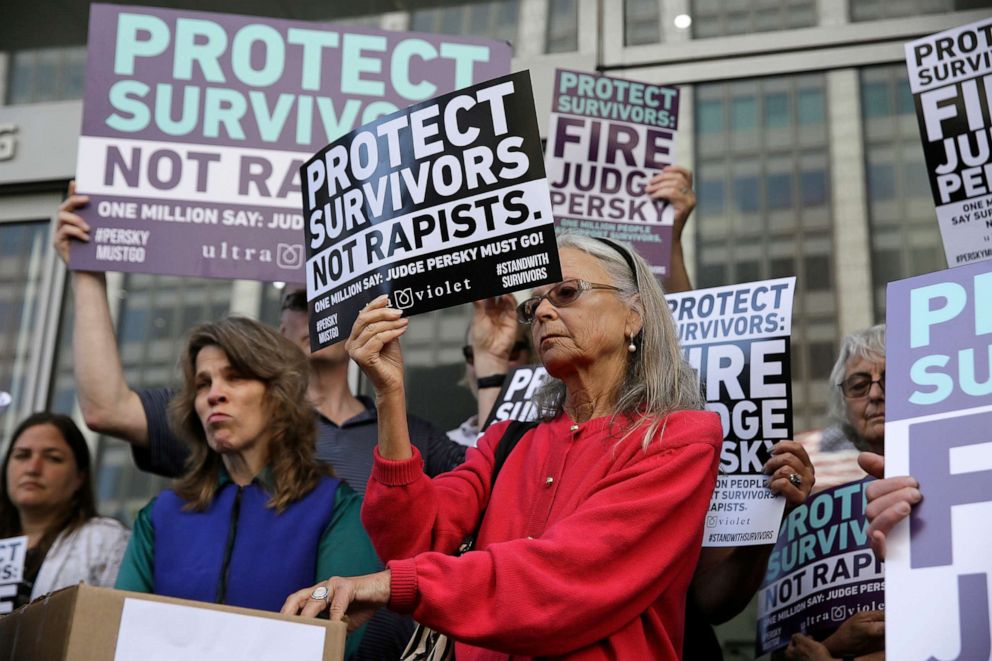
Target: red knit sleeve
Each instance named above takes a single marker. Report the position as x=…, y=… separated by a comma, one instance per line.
x=590, y=574
x=405, y=512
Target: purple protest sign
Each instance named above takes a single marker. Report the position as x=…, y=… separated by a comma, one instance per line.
x=821, y=571
x=938, y=428
x=195, y=126
x=607, y=137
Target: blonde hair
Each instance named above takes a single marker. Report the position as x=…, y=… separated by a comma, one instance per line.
x=657, y=379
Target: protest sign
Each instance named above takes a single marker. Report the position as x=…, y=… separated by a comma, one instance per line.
x=13, y=551
x=938, y=428
x=822, y=570
x=737, y=339
x=515, y=400
x=440, y=204
x=950, y=75
x=606, y=139
x=195, y=125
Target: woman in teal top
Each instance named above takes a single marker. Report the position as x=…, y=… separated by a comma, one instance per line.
x=254, y=517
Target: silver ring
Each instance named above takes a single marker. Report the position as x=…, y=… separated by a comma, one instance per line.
x=684, y=190
x=796, y=479
x=319, y=593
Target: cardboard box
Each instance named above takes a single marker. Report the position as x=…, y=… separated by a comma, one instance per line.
x=84, y=623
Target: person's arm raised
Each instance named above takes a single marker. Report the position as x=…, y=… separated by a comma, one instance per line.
x=108, y=404
x=674, y=183
x=494, y=332
x=374, y=345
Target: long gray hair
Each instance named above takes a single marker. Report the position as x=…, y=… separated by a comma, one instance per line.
x=868, y=343
x=657, y=380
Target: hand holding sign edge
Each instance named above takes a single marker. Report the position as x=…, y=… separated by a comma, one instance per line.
x=374, y=345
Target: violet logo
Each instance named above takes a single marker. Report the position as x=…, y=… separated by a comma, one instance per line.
x=403, y=298
x=289, y=256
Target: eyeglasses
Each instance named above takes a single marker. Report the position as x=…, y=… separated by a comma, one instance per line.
x=518, y=348
x=858, y=385
x=562, y=295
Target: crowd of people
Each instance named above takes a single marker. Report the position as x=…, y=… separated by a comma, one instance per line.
x=293, y=494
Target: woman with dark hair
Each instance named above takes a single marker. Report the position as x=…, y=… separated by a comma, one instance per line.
x=47, y=495
x=254, y=516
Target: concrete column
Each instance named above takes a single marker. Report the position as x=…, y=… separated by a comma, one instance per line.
x=852, y=241
x=246, y=298
x=532, y=28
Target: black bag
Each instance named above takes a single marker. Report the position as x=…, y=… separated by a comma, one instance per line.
x=427, y=644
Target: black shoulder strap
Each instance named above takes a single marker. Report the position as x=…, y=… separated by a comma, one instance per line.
x=514, y=432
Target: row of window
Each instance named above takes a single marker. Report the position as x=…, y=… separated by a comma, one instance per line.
x=51, y=74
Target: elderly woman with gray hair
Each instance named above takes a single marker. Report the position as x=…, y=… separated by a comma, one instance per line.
x=585, y=546
x=857, y=402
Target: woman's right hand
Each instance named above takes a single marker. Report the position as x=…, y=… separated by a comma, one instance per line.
x=374, y=345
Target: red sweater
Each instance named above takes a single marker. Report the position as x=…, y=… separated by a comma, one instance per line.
x=587, y=547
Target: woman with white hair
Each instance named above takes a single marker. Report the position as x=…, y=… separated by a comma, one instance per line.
x=587, y=543
x=857, y=402
x=857, y=393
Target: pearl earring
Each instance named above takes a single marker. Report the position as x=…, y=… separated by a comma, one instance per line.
x=631, y=347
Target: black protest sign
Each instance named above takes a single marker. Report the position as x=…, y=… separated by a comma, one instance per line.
x=950, y=75
x=515, y=400
x=440, y=204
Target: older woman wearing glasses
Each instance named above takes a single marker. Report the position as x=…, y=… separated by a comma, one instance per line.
x=857, y=402
x=586, y=545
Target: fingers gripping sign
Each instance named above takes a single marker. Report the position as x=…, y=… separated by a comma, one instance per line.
x=70, y=226
x=674, y=183
x=791, y=472
x=374, y=344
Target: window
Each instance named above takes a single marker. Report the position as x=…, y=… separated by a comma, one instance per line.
x=563, y=27
x=717, y=18
x=762, y=179
x=24, y=247
x=905, y=239
x=46, y=74
x=641, y=22
x=871, y=10
x=496, y=19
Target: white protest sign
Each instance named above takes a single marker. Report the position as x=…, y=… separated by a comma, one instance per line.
x=156, y=631
x=13, y=551
x=737, y=339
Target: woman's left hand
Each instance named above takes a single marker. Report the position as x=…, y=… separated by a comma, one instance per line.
x=789, y=458
x=353, y=600
x=374, y=344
